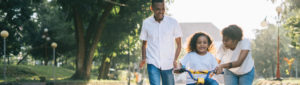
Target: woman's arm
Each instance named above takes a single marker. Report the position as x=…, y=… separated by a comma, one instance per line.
x=233, y=64
x=239, y=62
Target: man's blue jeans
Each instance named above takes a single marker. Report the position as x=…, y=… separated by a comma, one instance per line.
x=155, y=74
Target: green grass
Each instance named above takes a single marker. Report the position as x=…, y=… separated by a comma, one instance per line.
x=32, y=73
x=29, y=73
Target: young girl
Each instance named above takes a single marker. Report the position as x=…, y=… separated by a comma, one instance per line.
x=199, y=57
x=235, y=53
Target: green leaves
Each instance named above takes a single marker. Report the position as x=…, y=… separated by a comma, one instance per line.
x=15, y=16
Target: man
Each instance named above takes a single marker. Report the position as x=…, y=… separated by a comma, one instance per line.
x=159, y=34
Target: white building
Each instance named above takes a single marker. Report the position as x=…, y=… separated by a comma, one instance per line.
x=188, y=29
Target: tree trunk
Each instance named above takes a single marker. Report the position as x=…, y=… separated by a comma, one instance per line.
x=104, y=68
x=100, y=71
x=79, y=32
x=46, y=62
x=55, y=61
x=95, y=40
x=85, y=51
x=66, y=61
x=8, y=61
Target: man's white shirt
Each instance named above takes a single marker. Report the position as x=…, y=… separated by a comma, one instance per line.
x=160, y=39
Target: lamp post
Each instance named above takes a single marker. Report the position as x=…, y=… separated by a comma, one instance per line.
x=53, y=45
x=4, y=35
x=47, y=38
x=129, y=75
x=278, y=9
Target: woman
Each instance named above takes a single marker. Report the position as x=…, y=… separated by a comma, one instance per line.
x=236, y=58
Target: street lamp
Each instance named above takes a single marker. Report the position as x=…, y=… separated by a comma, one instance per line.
x=53, y=45
x=4, y=35
x=279, y=10
x=46, y=30
x=129, y=75
x=46, y=38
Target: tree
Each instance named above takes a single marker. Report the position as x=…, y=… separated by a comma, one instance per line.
x=291, y=22
x=14, y=15
x=48, y=16
x=293, y=25
x=120, y=52
x=90, y=19
x=264, y=51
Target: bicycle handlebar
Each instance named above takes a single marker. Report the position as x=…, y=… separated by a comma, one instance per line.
x=191, y=72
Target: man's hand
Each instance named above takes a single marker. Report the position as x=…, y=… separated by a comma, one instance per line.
x=175, y=64
x=143, y=54
x=142, y=63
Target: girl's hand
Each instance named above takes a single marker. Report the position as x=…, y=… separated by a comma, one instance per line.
x=219, y=69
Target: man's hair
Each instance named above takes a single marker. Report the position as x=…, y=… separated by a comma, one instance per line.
x=157, y=1
x=233, y=32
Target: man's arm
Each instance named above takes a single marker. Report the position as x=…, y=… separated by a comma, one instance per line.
x=144, y=46
x=178, y=43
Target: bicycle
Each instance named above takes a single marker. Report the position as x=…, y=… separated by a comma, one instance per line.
x=199, y=81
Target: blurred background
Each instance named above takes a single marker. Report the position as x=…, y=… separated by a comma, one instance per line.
x=87, y=42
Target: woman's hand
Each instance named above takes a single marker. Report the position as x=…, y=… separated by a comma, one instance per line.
x=219, y=69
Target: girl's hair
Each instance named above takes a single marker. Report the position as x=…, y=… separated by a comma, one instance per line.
x=193, y=41
x=233, y=32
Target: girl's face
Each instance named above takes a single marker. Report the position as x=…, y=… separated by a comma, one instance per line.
x=229, y=43
x=202, y=45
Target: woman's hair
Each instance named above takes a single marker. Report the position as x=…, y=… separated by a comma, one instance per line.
x=193, y=41
x=233, y=32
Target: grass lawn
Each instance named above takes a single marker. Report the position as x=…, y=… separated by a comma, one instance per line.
x=32, y=73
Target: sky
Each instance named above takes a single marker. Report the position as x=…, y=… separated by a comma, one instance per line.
x=248, y=14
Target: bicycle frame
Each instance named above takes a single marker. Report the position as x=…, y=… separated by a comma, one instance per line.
x=199, y=81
